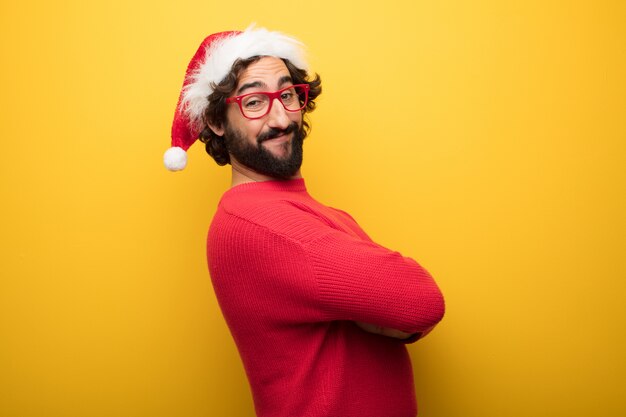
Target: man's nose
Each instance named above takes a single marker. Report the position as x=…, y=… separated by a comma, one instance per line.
x=278, y=117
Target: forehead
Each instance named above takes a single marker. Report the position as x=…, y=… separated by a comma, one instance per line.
x=267, y=72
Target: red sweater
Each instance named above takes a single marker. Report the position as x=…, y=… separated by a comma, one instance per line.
x=292, y=276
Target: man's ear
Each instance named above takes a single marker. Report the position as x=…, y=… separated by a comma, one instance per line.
x=218, y=130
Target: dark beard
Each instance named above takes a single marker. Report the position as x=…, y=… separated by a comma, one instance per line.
x=259, y=159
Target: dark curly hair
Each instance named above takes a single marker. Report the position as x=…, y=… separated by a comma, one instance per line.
x=215, y=113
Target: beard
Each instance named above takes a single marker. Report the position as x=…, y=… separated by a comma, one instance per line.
x=259, y=159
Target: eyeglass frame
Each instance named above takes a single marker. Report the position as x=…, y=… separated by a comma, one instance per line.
x=272, y=97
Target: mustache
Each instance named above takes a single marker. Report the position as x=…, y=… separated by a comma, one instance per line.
x=274, y=133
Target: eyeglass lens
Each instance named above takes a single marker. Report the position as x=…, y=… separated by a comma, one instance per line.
x=257, y=105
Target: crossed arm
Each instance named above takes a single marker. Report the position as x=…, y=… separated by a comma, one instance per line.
x=366, y=283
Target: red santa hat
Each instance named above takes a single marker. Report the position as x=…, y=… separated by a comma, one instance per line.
x=209, y=66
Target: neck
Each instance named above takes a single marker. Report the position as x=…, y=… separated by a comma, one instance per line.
x=242, y=174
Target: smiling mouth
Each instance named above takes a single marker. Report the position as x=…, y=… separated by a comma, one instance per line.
x=278, y=138
x=277, y=135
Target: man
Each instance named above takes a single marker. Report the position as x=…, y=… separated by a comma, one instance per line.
x=319, y=312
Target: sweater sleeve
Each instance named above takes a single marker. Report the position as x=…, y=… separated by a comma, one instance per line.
x=361, y=281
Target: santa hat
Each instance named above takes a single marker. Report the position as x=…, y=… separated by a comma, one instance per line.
x=209, y=66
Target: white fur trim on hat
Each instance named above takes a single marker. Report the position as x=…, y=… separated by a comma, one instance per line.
x=175, y=159
x=221, y=56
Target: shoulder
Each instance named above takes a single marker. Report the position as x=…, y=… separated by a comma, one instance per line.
x=290, y=219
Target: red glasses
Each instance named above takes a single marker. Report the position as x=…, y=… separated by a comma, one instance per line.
x=258, y=104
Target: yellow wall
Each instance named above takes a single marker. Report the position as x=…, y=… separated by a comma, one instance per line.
x=484, y=138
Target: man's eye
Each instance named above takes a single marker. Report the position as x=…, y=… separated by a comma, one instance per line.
x=253, y=102
x=286, y=96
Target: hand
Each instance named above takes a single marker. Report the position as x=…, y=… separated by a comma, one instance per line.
x=383, y=331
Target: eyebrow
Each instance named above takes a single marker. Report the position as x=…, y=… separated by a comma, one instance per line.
x=282, y=81
x=249, y=85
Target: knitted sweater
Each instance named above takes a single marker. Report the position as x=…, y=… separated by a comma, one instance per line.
x=291, y=277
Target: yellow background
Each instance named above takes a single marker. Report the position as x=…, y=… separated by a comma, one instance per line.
x=486, y=139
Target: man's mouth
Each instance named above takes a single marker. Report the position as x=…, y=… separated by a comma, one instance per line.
x=277, y=134
x=276, y=138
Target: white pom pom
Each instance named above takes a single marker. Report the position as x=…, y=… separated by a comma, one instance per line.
x=175, y=159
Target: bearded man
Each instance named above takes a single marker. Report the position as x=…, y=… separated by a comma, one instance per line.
x=320, y=313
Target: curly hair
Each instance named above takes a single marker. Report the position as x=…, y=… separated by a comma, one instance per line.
x=215, y=114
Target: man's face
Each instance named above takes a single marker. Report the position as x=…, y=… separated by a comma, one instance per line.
x=271, y=145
